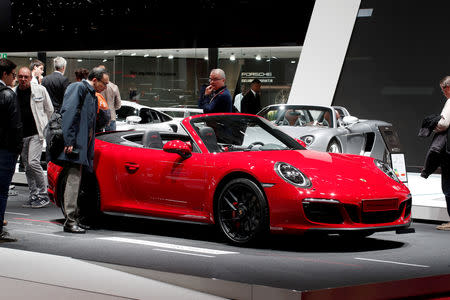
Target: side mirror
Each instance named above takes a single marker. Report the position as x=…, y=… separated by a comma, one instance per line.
x=178, y=147
x=133, y=120
x=301, y=142
x=349, y=120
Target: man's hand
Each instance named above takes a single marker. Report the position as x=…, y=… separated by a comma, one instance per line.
x=68, y=149
x=209, y=89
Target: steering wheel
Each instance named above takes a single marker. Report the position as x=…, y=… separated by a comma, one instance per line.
x=254, y=144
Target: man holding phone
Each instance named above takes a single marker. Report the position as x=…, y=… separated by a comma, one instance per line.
x=79, y=112
x=216, y=98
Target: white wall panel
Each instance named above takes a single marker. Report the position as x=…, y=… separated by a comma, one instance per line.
x=323, y=52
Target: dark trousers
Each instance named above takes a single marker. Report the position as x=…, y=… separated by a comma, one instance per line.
x=445, y=176
x=8, y=162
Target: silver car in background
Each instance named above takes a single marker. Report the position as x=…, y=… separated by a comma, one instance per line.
x=330, y=129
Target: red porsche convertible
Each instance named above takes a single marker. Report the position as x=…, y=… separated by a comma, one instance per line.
x=245, y=175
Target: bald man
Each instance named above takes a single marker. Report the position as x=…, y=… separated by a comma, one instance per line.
x=36, y=108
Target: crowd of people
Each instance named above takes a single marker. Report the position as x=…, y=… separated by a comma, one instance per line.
x=27, y=101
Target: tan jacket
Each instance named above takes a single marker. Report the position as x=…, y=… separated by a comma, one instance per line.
x=41, y=107
x=112, y=96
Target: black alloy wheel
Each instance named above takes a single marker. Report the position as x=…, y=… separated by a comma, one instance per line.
x=242, y=212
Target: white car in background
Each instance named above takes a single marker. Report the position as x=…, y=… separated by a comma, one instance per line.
x=179, y=112
x=132, y=115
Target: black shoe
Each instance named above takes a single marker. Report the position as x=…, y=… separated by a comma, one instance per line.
x=74, y=229
x=5, y=237
x=85, y=226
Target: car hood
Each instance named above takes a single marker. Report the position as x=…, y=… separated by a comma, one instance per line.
x=352, y=177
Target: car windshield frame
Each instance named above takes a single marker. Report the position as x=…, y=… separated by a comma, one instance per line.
x=239, y=132
x=302, y=117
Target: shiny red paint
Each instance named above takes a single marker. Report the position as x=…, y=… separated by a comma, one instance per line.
x=157, y=183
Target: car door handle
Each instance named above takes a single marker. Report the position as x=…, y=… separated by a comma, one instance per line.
x=131, y=167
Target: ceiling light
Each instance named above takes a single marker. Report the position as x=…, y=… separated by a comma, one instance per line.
x=232, y=57
x=293, y=61
x=274, y=57
x=158, y=56
x=146, y=55
x=258, y=57
x=205, y=58
x=170, y=56
x=31, y=58
x=105, y=60
x=133, y=54
x=79, y=60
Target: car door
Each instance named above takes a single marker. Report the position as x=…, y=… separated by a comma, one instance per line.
x=163, y=184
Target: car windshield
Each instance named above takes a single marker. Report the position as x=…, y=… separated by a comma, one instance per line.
x=241, y=133
x=297, y=115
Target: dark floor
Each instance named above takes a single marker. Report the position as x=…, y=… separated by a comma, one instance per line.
x=290, y=262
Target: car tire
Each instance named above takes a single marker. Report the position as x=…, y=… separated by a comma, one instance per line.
x=242, y=213
x=334, y=147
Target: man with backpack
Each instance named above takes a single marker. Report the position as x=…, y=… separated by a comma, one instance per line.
x=10, y=136
x=79, y=112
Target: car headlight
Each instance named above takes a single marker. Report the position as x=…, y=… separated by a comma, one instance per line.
x=292, y=175
x=308, y=139
x=386, y=169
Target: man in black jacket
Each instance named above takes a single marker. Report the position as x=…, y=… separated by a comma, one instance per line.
x=10, y=136
x=251, y=104
x=56, y=83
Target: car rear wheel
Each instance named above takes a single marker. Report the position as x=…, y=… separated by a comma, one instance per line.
x=242, y=212
x=334, y=147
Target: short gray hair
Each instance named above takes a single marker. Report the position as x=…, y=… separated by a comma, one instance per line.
x=59, y=63
x=445, y=82
x=97, y=73
x=219, y=72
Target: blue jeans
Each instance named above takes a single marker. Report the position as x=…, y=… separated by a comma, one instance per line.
x=8, y=162
x=111, y=126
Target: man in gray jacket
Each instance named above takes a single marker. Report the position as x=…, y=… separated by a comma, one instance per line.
x=36, y=108
x=79, y=112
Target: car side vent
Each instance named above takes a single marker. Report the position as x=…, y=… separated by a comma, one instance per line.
x=370, y=138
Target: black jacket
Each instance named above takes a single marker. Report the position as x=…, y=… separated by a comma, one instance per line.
x=433, y=157
x=56, y=85
x=250, y=103
x=10, y=121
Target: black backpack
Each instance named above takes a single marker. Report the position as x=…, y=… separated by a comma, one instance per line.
x=54, y=135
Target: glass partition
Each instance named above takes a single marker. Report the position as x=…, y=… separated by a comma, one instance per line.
x=173, y=77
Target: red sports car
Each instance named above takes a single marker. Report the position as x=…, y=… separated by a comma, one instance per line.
x=245, y=175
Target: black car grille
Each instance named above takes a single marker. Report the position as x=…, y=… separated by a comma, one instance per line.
x=331, y=213
x=323, y=212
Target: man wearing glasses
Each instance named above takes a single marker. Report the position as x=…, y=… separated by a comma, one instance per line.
x=216, y=98
x=35, y=109
x=10, y=136
x=79, y=112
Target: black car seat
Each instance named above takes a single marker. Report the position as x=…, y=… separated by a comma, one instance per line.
x=152, y=139
x=209, y=138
